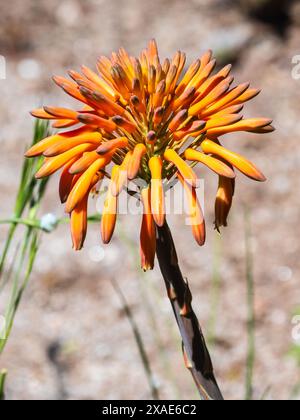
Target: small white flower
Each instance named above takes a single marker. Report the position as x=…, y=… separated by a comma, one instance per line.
x=48, y=222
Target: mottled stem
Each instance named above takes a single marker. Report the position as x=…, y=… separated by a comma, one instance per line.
x=196, y=355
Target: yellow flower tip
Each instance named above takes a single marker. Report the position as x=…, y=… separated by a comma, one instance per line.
x=78, y=221
x=39, y=175
x=196, y=217
x=185, y=170
x=58, y=80
x=199, y=233
x=238, y=161
x=135, y=162
x=41, y=113
x=146, y=266
x=63, y=146
x=157, y=191
x=84, y=183
x=109, y=217
x=29, y=153
x=119, y=175
x=212, y=163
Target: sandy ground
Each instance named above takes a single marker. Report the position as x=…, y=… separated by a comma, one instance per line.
x=71, y=338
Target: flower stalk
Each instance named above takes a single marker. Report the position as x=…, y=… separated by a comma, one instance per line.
x=196, y=355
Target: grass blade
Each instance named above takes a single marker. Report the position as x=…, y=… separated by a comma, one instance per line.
x=139, y=341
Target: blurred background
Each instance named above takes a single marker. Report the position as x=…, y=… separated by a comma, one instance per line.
x=71, y=338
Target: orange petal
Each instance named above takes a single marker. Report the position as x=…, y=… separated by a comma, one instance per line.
x=158, y=116
x=128, y=126
x=179, y=119
x=202, y=75
x=120, y=81
x=206, y=58
x=213, y=81
x=215, y=94
x=246, y=96
x=223, y=201
x=110, y=145
x=84, y=162
x=41, y=113
x=71, y=88
x=79, y=223
x=190, y=73
x=185, y=170
x=84, y=184
x=263, y=130
x=166, y=65
x=148, y=232
x=138, y=105
x=212, y=163
x=51, y=165
x=64, y=123
x=96, y=121
x=222, y=121
x=195, y=212
x=100, y=101
x=152, y=79
x=157, y=191
x=42, y=145
x=171, y=77
x=228, y=110
x=152, y=51
x=134, y=165
x=184, y=99
x=225, y=100
x=62, y=113
x=102, y=85
x=122, y=175
x=158, y=96
x=192, y=129
x=69, y=143
x=238, y=161
x=65, y=181
x=109, y=214
x=251, y=124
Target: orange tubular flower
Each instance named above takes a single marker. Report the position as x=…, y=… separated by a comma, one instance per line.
x=151, y=120
x=109, y=214
x=147, y=236
x=79, y=223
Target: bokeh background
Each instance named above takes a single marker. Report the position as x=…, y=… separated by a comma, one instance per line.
x=71, y=337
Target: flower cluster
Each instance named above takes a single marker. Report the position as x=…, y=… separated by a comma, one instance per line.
x=143, y=118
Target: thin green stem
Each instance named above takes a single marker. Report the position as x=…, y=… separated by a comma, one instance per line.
x=36, y=223
x=139, y=341
x=17, y=293
x=3, y=375
x=30, y=190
